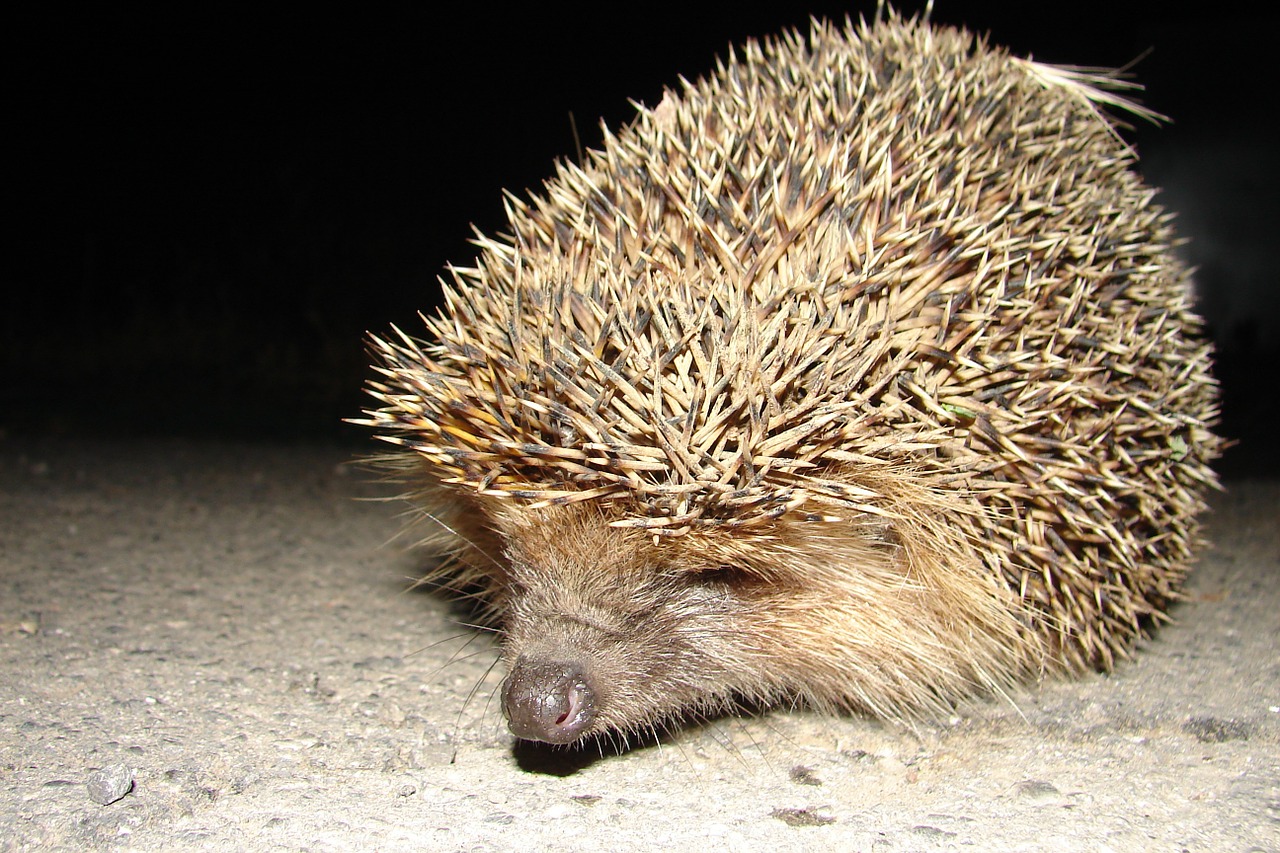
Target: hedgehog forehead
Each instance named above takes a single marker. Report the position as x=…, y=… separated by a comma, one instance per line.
x=581, y=540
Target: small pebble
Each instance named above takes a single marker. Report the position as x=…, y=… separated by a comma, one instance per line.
x=802, y=817
x=802, y=775
x=110, y=784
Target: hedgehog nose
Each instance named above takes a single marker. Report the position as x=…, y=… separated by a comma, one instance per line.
x=551, y=702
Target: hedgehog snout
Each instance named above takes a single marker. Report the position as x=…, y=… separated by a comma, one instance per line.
x=550, y=702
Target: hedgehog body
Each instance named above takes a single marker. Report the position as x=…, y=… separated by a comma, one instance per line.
x=861, y=373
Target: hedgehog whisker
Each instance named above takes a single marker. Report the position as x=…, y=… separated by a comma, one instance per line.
x=457, y=723
x=469, y=635
x=486, y=629
x=461, y=537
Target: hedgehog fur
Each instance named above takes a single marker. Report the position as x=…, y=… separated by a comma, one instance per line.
x=861, y=374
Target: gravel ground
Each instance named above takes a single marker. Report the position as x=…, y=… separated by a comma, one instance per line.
x=228, y=628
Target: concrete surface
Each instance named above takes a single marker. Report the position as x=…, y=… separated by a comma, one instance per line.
x=229, y=628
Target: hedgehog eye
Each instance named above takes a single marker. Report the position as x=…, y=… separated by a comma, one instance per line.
x=724, y=575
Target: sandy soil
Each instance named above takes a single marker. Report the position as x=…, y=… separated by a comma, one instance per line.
x=228, y=627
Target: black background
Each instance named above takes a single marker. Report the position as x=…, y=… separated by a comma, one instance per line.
x=210, y=209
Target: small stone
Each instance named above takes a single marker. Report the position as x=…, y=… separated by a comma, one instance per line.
x=110, y=784
x=802, y=817
x=1034, y=789
x=1216, y=730
x=928, y=831
x=802, y=775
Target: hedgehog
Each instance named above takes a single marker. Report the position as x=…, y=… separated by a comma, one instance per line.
x=860, y=374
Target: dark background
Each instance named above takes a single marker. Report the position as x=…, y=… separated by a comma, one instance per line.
x=211, y=211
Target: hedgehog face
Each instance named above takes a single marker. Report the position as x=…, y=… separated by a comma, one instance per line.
x=606, y=632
